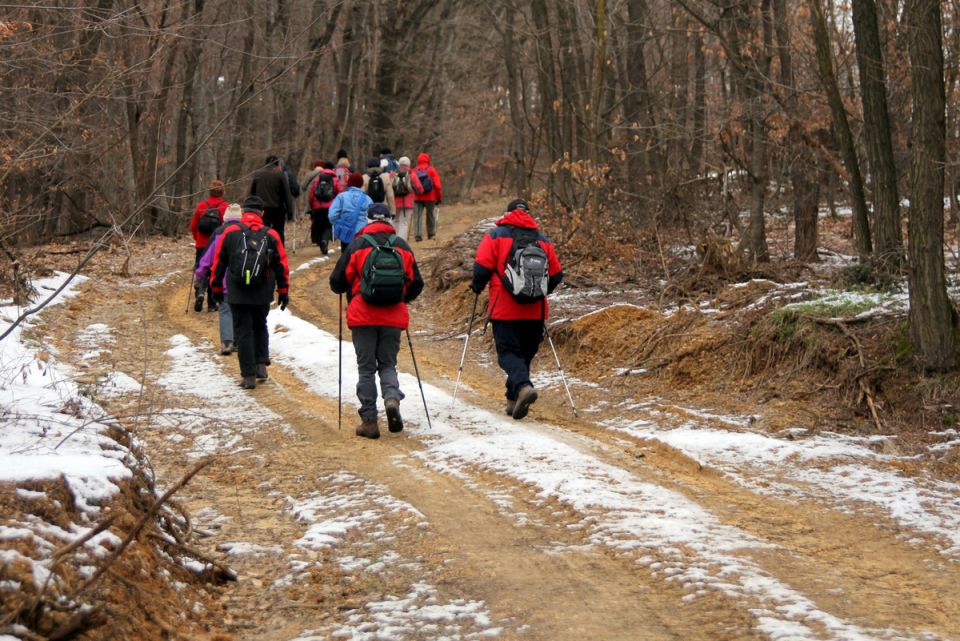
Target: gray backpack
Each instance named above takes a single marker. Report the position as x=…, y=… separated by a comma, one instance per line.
x=527, y=273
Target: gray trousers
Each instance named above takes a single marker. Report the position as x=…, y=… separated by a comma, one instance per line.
x=419, y=208
x=377, y=347
x=226, y=322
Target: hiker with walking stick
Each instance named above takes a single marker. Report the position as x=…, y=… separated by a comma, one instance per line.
x=379, y=274
x=522, y=267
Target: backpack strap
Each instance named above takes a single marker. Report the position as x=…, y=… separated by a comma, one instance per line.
x=373, y=241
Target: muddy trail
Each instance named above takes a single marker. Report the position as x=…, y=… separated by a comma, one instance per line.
x=554, y=528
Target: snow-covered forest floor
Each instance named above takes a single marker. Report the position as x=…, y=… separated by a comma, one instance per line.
x=697, y=496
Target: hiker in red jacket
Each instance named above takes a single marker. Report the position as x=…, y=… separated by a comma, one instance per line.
x=428, y=199
x=201, y=227
x=320, y=196
x=252, y=257
x=377, y=312
x=520, y=281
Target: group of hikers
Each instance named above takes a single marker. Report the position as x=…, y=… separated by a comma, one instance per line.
x=241, y=261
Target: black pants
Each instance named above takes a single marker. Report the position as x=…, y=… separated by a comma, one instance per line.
x=201, y=287
x=276, y=218
x=320, y=229
x=250, y=336
x=517, y=341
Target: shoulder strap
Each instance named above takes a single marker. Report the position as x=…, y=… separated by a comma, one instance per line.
x=391, y=239
x=370, y=239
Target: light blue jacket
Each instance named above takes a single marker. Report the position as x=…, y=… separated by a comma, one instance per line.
x=348, y=213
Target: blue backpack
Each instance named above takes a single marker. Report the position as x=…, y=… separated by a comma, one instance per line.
x=345, y=227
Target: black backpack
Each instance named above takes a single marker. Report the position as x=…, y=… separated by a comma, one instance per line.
x=323, y=189
x=382, y=278
x=375, y=189
x=250, y=266
x=401, y=183
x=527, y=272
x=210, y=220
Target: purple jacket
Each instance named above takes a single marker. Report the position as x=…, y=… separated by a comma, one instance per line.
x=202, y=273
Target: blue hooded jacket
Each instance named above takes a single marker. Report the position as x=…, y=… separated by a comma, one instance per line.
x=348, y=213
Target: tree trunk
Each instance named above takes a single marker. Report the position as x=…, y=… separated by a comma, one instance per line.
x=235, y=160
x=637, y=100
x=514, y=89
x=888, y=242
x=841, y=127
x=699, y=127
x=931, y=314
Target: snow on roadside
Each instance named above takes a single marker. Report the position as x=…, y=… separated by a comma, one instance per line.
x=675, y=537
x=841, y=470
x=51, y=430
x=224, y=414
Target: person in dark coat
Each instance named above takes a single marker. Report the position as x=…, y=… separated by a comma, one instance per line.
x=271, y=184
x=250, y=303
x=517, y=327
x=376, y=329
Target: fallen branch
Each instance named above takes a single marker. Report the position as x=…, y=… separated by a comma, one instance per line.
x=152, y=512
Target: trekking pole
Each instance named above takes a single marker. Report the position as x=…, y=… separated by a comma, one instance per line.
x=463, y=357
x=193, y=282
x=340, y=370
x=562, y=377
x=419, y=382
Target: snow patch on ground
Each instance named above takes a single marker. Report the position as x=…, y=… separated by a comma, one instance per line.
x=224, y=414
x=313, y=262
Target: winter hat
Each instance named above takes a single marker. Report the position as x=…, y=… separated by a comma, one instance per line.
x=216, y=188
x=341, y=154
x=233, y=212
x=272, y=160
x=253, y=203
x=385, y=150
x=373, y=162
x=404, y=161
x=328, y=165
x=520, y=204
x=355, y=180
x=379, y=211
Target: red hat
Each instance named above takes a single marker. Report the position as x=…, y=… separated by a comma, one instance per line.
x=355, y=180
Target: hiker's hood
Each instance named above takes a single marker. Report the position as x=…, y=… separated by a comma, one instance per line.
x=518, y=218
x=251, y=219
x=423, y=159
x=374, y=226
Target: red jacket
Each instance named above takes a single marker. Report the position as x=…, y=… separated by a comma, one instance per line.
x=490, y=266
x=213, y=201
x=435, y=194
x=345, y=279
x=229, y=248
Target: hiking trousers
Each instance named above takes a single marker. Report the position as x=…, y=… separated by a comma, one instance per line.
x=402, y=222
x=226, y=322
x=320, y=229
x=419, y=207
x=276, y=218
x=517, y=342
x=377, y=347
x=250, y=336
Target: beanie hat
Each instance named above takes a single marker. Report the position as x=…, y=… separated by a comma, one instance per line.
x=355, y=180
x=341, y=154
x=233, y=212
x=253, y=203
x=373, y=162
x=385, y=150
x=520, y=204
x=328, y=165
x=272, y=160
x=379, y=211
x=404, y=161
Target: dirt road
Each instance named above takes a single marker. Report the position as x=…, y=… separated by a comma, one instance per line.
x=553, y=529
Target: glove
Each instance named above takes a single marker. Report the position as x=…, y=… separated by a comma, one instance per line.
x=283, y=300
x=476, y=288
x=217, y=296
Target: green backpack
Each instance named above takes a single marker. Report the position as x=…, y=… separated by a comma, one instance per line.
x=382, y=279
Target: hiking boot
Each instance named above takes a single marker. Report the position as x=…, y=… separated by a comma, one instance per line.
x=262, y=372
x=508, y=410
x=419, y=239
x=198, y=304
x=249, y=382
x=226, y=347
x=213, y=306
x=394, y=422
x=323, y=248
x=368, y=429
x=525, y=398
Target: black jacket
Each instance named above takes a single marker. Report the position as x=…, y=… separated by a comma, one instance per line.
x=230, y=250
x=273, y=187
